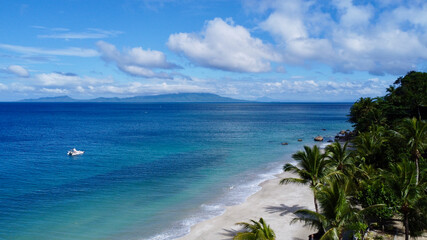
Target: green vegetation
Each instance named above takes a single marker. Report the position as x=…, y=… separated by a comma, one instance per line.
x=255, y=231
x=311, y=171
x=376, y=178
x=382, y=178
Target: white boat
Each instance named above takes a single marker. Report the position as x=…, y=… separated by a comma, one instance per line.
x=75, y=152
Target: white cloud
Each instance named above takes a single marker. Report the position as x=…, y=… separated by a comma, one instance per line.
x=47, y=84
x=90, y=33
x=136, y=61
x=19, y=87
x=287, y=22
x=67, y=79
x=54, y=90
x=137, y=88
x=72, y=51
x=375, y=37
x=325, y=89
x=18, y=70
x=3, y=87
x=226, y=46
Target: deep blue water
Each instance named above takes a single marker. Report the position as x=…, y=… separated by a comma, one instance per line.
x=149, y=171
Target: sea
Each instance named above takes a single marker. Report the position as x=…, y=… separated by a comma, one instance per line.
x=149, y=171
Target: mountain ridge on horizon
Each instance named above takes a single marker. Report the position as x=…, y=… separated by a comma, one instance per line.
x=172, y=97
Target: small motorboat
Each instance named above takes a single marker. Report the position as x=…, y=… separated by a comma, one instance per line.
x=75, y=152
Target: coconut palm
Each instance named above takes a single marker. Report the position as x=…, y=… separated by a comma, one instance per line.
x=311, y=169
x=337, y=215
x=255, y=231
x=338, y=157
x=369, y=145
x=401, y=179
x=414, y=132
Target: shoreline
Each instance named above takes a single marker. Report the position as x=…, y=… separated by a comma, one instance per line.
x=275, y=203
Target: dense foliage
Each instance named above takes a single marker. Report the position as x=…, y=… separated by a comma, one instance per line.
x=406, y=98
x=383, y=177
x=377, y=177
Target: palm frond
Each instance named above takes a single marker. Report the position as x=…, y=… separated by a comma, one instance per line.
x=245, y=236
x=293, y=180
x=331, y=234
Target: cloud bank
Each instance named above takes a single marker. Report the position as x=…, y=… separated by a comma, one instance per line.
x=377, y=37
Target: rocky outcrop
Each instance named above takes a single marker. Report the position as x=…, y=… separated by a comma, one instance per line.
x=344, y=135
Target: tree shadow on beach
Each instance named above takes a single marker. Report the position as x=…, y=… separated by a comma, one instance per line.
x=283, y=209
x=230, y=233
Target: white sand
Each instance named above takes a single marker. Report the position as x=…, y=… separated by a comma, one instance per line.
x=274, y=202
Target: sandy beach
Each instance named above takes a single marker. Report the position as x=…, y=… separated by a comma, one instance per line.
x=274, y=202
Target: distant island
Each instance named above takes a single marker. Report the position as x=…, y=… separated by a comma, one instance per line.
x=177, y=97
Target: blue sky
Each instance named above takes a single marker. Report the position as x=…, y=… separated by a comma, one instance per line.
x=288, y=50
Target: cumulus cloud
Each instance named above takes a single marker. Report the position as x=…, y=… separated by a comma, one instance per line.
x=18, y=70
x=226, y=46
x=378, y=37
x=72, y=51
x=136, y=61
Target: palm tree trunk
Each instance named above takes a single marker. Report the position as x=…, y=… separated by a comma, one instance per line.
x=315, y=203
x=418, y=171
x=406, y=224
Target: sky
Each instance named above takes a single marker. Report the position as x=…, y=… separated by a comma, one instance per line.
x=283, y=50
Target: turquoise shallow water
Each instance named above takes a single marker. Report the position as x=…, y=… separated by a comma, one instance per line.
x=150, y=171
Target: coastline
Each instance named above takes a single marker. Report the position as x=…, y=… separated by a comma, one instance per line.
x=274, y=202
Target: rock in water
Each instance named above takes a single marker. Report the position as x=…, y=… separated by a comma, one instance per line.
x=318, y=138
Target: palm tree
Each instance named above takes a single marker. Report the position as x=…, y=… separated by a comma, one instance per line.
x=255, y=231
x=337, y=214
x=311, y=169
x=415, y=134
x=369, y=145
x=401, y=179
x=339, y=157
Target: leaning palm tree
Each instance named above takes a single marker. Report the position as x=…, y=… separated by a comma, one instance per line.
x=311, y=169
x=255, y=231
x=401, y=179
x=414, y=132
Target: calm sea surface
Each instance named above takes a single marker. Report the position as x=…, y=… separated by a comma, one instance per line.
x=149, y=171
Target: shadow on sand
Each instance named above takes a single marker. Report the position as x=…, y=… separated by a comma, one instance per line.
x=283, y=209
x=230, y=233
